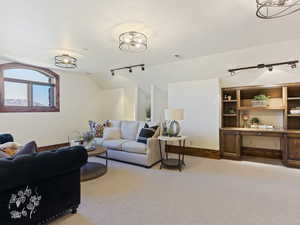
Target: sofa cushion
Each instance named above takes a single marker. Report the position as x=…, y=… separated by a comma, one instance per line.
x=115, y=123
x=98, y=141
x=6, y=138
x=134, y=147
x=114, y=144
x=29, y=148
x=141, y=126
x=146, y=132
x=129, y=130
x=3, y=155
x=111, y=133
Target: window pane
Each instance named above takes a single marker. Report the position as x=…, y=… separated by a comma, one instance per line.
x=41, y=95
x=15, y=94
x=24, y=74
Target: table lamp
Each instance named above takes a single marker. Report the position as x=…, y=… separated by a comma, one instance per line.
x=174, y=115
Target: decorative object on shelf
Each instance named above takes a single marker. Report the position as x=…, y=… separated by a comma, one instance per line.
x=254, y=122
x=174, y=115
x=133, y=41
x=129, y=68
x=260, y=101
x=229, y=98
x=295, y=110
x=231, y=111
x=65, y=61
x=292, y=64
x=270, y=9
x=225, y=97
x=245, y=118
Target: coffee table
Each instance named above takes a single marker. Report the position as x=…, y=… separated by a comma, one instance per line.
x=92, y=170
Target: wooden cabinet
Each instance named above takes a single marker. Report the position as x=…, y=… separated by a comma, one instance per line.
x=291, y=153
x=230, y=145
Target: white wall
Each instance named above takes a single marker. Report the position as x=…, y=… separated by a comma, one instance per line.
x=201, y=103
x=159, y=102
x=119, y=103
x=79, y=102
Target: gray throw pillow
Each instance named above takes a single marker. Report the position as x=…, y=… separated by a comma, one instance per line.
x=29, y=148
x=3, y=154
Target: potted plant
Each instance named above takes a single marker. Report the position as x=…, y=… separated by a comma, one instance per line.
x=254, y=122
x=260, y=100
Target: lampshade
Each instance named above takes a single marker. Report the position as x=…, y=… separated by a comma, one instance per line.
x=174, y=114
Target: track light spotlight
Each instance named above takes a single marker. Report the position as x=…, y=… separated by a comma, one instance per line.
x=143, y=68
x=130, y=70
x=293, y=65
x=112, y=72
x=270, y=68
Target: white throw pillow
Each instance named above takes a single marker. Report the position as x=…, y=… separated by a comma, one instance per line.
x=13, y=145
x=111, y=133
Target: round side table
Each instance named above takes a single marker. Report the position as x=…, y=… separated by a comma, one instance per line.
x=175, y=163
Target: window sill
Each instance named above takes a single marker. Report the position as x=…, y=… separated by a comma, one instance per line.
x=21, y=109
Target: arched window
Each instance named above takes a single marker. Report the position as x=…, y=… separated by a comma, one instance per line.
x=25, y=88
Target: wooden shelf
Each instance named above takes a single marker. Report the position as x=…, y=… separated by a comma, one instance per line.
x=229, y=115
x=293, y=115
x=261, y=108
x=293, y=98
x=229, y=101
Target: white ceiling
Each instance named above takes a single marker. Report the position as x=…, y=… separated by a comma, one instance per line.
x=34, y=31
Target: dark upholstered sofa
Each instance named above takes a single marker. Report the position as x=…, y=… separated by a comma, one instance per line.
x=38, y=187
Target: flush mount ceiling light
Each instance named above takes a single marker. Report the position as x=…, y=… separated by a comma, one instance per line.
x=133, y=41
x=270, y=9
x=65, y=61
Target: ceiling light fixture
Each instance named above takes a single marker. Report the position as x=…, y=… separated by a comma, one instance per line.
x=129, y=68
x=133, y=41
x=270, y=9
x=65, y=61
x=270, y=67
x=293, y=65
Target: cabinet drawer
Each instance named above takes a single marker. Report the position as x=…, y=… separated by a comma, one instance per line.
x=262, y=133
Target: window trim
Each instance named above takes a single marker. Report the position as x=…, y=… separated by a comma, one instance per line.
x=44, y=71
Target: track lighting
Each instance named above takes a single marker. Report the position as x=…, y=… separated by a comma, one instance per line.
x=293, y=65
x=129, y=68
x=270, y=67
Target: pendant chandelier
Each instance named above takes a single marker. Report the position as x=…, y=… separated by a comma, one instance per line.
x=65, y=61
x=133, y=41
x=271, y=9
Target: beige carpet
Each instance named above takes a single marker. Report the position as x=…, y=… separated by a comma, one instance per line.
x=207, y=192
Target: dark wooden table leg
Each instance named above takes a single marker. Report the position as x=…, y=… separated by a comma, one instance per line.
x=161, y=155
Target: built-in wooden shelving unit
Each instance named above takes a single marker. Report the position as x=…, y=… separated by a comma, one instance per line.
x=281, y=98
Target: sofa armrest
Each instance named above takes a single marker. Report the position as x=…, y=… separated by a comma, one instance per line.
x=153, y=150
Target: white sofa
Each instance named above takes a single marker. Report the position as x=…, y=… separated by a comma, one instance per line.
x=127, y=149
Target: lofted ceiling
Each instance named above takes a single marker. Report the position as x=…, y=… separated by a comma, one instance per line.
x=34, y=31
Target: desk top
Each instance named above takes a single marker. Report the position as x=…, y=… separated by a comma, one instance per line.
x=274, y=130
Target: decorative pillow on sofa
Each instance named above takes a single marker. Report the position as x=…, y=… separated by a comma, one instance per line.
x=12, y=145
x=29, y=148
x=9, y=148
x=146, y=132
x=3, y=154
x=111, y=133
